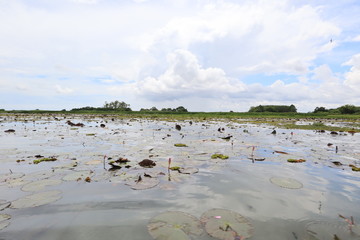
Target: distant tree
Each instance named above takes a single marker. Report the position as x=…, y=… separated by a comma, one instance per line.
x=181, y=109
x=117, y=105
x=273, y=108
x=320, y=109
x=153, y=109
x=347, y=109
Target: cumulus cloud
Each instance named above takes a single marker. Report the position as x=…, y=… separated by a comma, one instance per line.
x=185, y=77
x=63, y=90
x=352, y=78
x=254, y=36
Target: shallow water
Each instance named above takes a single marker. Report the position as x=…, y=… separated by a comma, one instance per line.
x=107, y=208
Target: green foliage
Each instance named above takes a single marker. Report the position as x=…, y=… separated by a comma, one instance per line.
x=37, y=161
x=117, y=105
x=274, y=108
x=180, y=145
x=320, y=109
x=221, y=156
x=348, y=109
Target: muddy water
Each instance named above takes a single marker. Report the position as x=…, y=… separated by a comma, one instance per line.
x=106, y=207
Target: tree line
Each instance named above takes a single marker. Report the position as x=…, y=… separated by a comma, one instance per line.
x=345, y=109
x=124, y=107
x=273, y=108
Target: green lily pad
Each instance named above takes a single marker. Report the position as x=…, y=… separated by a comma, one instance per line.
x=4, y=204
x=286, y=182
x=226, y=225
x=174, y=225
x=40, y=185
x=36, y=199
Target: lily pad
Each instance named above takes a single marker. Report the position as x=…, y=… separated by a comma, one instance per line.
x=4, y=204
x=143, y=183
x=189, y=170
x=36, y=199
x=286, y=182
x=174, y=225
x=40, y=185
x=9, y=176
x=4, y=217
x=218, y=155
x=226, y=225
x=4, y=224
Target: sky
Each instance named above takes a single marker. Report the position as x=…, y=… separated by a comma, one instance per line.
x=205, y=55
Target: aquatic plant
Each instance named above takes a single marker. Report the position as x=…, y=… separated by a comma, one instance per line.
x=173, y=225
x=180, y=145
x=50, y=159
x=218, y=155
x=291, y=160
x=175, y=168
x=226, y=225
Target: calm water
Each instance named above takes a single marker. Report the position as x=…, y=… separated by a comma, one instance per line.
x=107, y=208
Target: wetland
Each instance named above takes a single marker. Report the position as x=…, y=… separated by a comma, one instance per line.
x=68, y=176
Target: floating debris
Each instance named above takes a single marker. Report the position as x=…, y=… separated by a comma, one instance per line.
x=36, y=199
x=281, y=152
x=175, y=168
x=286, y=182
x=70, y=123
x=226, y=225
x=147, y=163
x=218, y=155
x=227, y=138
x=10, y=131
x=174, y=225
x=178, y=127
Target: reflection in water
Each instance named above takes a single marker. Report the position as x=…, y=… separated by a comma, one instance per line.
x=106, y=208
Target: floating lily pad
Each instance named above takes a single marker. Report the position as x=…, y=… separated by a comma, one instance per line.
x=226, y=225
x=189, y=170
x=36, y=199
x=38, y=175
x=174, y=225
x=93, y=162
x=75, y=176
x=40, y=185
x=4, y=224
x=4, y=204
x=4, y=217
x=8, y=176
x=143, y=183
x=286, y=182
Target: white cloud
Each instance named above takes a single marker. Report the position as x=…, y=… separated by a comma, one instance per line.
x=352, y=78
x=63, y=90
x=185, y=77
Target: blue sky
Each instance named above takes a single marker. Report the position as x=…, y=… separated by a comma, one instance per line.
x=204, y=55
